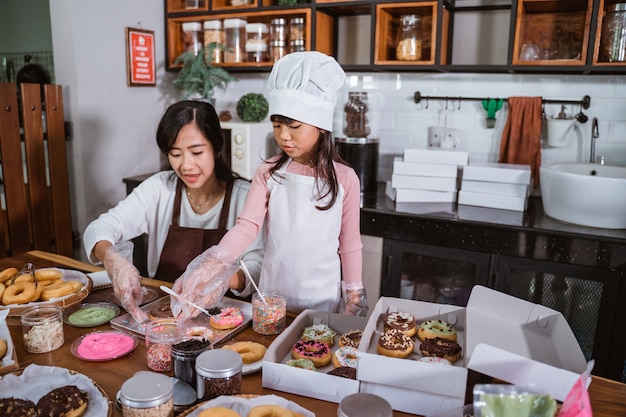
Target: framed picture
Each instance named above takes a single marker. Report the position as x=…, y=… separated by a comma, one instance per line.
x=140, y=57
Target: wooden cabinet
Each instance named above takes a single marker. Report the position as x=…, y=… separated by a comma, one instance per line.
x=538, y=35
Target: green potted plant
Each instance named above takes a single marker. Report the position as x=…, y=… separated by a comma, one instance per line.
x=199, y=77
x=252, y=107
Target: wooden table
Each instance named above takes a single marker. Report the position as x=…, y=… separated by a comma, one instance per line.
x=608, y=398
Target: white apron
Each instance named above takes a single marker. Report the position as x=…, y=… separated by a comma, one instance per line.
x=301, y=245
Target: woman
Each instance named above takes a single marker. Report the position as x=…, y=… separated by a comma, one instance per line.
x=308, y=197
x=184, y=211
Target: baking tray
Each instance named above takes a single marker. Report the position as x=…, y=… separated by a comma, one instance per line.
x=127, y=323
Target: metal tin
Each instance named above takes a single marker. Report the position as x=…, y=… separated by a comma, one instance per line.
x=364, y=405
x=218, y=373
x=147, y=393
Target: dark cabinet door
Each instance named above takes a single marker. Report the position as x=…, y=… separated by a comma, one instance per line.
x=587, y=297
x=432, y=273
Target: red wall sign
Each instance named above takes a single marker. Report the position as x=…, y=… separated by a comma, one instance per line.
x=140, y=57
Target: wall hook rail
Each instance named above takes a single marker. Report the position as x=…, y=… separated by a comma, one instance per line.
x=585, y=102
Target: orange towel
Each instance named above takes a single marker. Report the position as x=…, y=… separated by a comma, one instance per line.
x=521, y=137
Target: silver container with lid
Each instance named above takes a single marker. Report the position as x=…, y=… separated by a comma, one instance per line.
x=218, y=373
x=147, y=394
x=364, y=405
x=613, y=39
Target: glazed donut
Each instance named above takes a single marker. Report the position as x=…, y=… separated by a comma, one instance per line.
x=404, y=322
x=345, y=356
x=268, y=410
x=38, y=290
x=48, y=274
x=318, y=352
x=7, y=274
x=442, y=348
x=395, y=344
x=229, y=318
x=76, y=284
x=351, y=338
x=250, y=352
x=218, y=412
x=319, y=333
x=302, y=363
x=19, y=293
x=436, y=328
x=56, y=291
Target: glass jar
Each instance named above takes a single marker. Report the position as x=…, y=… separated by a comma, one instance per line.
x=160, y=336
x=296, y=29
x=409, y=45
x=235, y=40
x=42, y=328
x=218, y=373
x=356, y=115
x=184, y=354
x=213, y=33
x=278, y=49
x=297, y=45
x=192, y=37
x=269, y=314
x=278, y=29
x=147, y=394
x=613, y=39
x=256, y=42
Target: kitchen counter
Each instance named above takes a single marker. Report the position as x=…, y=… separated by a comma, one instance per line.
x=531, y=234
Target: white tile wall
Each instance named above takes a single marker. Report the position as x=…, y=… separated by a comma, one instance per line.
x=400, y=123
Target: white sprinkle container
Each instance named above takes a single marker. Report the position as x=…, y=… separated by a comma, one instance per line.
x=42, y=328
x=147, y=394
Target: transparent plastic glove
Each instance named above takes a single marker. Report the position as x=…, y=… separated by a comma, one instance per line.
x=204, y=282
x=125, y=278
x=354, y=299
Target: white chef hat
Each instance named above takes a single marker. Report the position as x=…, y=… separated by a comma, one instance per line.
x=304, y=86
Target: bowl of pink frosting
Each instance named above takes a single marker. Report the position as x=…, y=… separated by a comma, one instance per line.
x=104, y=345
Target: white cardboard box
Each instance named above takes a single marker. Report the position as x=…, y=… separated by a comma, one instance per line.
x=424, y=169
x=496, y=172
x=431, y=156
x=499, y=201
x=406, y=195
x=531, y=346
x=493, y=187
x=316, y=384
x=423, y=183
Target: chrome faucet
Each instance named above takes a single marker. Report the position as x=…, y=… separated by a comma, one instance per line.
x=595, y=134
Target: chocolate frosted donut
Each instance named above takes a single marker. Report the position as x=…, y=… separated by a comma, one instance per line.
x=395, y=344
x=403, y=322
x=442, y=348
x=344, y=372
x=164, y=311
x=66, y=401
x=351, y=338
x=17, y=407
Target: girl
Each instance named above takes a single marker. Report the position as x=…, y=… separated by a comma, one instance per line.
x=308, y=197
x=184, y=211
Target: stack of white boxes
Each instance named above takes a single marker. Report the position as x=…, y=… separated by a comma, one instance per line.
x=425, y=175
x=500, y=186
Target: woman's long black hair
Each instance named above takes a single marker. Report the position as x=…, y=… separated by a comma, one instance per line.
x=323, y=158
x=203, y=114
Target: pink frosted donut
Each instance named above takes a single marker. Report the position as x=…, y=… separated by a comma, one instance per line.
x=229, y=318
x=318, y=352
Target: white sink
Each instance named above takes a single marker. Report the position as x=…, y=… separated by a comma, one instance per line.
x=586, y=194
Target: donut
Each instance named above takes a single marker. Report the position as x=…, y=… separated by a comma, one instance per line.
x=344, y=356
x=435, y=360
x=56, y=291
x=250, y=352
x=17, y=407
x=351, y=338
x=163, y=311
x=269, y=410
x=48, y=274
x=19, y=293
x=344, y=372
x=318, y=352
x=395, y=344
x=76, y=284
x=38, y=290
x=2, y=288
x=302, y=363
x=436, y=328
x=65, y=401
x=404, y=322
x=319, y=333
x=3, y=348
x=218, y=412
x=442, y=348
x=229, y=318
x=7, y=274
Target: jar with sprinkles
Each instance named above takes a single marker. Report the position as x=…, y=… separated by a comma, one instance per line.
x=269, y=313
x=160, y=335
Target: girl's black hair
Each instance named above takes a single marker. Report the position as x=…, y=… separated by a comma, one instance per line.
x=324, y=154
x=203, y=114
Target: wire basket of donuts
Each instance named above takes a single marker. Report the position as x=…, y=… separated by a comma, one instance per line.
x=28, y=287
x=249, y=405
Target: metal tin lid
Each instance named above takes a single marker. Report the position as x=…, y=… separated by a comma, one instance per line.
x=297, y=21
x=356, y=141
x=297, y=42
x=617, y=7
x=278, y=43
x=278, y=21
x=218, y=363
x=364, y=405
x=146, y=390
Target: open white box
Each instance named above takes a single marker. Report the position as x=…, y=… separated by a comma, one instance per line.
x=316, y=384
x=502, y=336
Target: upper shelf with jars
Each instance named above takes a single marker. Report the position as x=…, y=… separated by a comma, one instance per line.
x=576, y=36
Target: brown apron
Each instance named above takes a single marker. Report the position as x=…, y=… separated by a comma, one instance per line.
x=183, y=244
